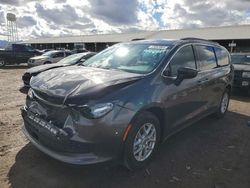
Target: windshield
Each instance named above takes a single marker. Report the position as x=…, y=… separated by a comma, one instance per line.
x=49, y=53
x=135, y=58
x=72, y=59
x=240, y=59
x=29, y=48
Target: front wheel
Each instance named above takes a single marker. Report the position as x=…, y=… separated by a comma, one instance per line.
x=223, y=107
x=47, y=62
x=142, y=141
x=2, y=63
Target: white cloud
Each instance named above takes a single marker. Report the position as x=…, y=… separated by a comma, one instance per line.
x=74, y=17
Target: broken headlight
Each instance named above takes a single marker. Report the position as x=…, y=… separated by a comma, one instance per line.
x=96, y=111
x=30, y=94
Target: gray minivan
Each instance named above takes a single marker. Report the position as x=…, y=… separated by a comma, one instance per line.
x=121, y=103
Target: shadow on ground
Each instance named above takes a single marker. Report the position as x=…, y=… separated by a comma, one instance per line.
x=241, y=96
x=21, y=66
x=210, y=153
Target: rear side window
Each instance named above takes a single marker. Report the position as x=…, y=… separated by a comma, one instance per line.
x=206, y=56
x=59, y=54
x=222, y=56
x=68, y=53
x=183, y=58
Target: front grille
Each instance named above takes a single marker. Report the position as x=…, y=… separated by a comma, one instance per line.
x=55, y=115
x=26, y=78
x=237, y=74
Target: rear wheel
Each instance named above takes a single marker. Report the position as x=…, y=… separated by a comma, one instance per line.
x=47, y=62
x=2, y=63
x=142, y=141
x=223, y=104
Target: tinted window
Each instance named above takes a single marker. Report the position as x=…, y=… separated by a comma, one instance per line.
x=9, y=47
x=206, y=56
x=59, y=54
x=240, y=59
x=68, y=53
x=183, y=58
x=19, y=48
x=222, y=56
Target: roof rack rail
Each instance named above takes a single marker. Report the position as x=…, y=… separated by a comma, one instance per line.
x=200, y=39
x=138, y=39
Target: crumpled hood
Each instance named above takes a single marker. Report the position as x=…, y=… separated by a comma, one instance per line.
x=242, y=67
x=41, y=68
x=78, y=82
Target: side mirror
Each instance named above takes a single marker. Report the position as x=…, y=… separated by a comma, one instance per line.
x=82, y=60
x=185, y=73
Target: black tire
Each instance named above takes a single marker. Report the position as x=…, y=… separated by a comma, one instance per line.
x=221, y=113
x=47, y=62
x=2, y=63
x=129, y=159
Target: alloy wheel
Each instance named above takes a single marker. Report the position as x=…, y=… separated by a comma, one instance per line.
x=144, y=142
x=224, y=102
x=2, y=63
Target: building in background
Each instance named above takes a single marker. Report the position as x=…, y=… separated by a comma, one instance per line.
x=234, y=38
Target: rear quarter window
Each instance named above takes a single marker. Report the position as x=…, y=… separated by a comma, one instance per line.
x=222, y=56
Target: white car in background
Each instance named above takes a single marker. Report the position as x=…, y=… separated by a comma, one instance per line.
x=49, y=57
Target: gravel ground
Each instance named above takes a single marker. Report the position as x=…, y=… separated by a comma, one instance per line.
x=209, y=154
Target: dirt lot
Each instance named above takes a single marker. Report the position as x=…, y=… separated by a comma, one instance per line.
x=210, y=154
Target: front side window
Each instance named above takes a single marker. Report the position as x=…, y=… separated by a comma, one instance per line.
x=222, y=56
x=207, y=59
x=134, y=57
x=183, y=58
x=68, y=53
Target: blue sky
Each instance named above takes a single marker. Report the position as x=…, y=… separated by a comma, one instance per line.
x=36, y=18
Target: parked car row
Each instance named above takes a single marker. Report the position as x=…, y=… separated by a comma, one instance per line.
x=48, y=57
x=121, y=103
x=17, y=54
x=241, y=62
x=21, y=53
x=67, y=61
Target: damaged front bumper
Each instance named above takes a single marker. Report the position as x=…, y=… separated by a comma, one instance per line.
x=24, y=89
x=82, y=142
x=72, y=158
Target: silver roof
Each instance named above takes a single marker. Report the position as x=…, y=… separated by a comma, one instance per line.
x=211, y=33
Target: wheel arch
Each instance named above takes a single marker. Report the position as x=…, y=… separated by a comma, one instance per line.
x=229, y=87
x=157, y=111
x=47, y=62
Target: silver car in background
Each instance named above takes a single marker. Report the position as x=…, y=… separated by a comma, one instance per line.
x=49, y=57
